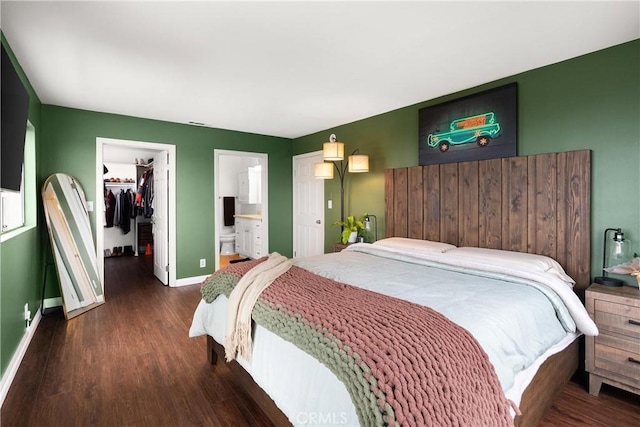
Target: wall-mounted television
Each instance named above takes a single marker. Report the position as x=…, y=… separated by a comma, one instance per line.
x=14, y=114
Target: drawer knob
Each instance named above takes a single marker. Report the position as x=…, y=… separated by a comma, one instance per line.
x=631, y=359
x=634, y=322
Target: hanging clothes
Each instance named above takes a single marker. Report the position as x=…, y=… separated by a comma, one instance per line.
x=139, y=195
x=147, y=194
x=125, y=211
x=132, y=200
x=110, y=209
x=117, y=216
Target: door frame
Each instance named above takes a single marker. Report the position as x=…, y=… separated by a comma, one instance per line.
x=264, y=188
x=295, y=199
x=101, y=143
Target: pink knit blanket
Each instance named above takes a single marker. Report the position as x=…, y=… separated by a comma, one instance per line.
x=402, y=363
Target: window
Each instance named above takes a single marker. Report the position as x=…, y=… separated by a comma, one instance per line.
x=12, y=203
x=18, y=208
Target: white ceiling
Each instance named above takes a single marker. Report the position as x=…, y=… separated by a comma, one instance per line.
x=292, y=68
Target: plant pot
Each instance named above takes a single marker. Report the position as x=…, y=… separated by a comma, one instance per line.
x=352, y=237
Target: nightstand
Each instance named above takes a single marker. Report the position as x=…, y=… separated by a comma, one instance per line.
x=613, y=357
x=338, y=247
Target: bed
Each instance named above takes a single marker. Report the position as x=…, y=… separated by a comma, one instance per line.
x=536, y=205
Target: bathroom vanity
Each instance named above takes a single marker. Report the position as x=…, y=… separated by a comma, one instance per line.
x=249, y=235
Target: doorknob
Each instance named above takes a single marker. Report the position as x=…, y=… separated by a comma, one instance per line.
x=318, y=221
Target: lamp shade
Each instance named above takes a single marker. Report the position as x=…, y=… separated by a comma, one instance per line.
x=333, y=151
x=358, y=163
x=323, y=170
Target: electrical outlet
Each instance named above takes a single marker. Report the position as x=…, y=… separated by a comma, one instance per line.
x=203, y=263
x=27, y=315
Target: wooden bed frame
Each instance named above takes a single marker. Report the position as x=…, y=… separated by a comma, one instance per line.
x=536, y=400
x=536, y=204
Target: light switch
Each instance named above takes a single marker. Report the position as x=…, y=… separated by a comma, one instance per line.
x=89, y=206
x=329, y=204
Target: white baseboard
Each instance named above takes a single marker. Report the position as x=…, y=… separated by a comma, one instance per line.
x=16, y=360
x=190, y=280
x=52, y=302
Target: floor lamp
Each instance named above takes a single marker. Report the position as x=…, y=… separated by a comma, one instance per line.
x=333, y=156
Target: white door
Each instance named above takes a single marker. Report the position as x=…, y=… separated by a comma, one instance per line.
x=161, y=216
x=308, y=206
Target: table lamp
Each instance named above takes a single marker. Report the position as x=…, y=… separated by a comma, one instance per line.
x=614, y=252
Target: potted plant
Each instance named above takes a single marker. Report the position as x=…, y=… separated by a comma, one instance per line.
x=351, y=228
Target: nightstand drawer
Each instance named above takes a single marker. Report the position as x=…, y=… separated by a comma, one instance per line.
x=619, y=361
x=620, y=342
x=618, y=318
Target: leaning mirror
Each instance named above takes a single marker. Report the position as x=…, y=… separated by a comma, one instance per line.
x=74, y=252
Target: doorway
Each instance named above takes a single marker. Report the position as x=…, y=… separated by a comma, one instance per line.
x=156, y=226
x=241, y=205
x=308, y=206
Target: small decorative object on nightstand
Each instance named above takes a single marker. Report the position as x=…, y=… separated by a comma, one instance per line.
x=613, y=357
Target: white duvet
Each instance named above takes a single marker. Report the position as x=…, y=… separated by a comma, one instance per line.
x=520, y=318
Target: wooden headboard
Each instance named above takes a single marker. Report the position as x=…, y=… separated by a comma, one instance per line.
x=537, y=204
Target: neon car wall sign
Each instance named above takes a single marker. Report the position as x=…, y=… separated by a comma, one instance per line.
x=480, y=128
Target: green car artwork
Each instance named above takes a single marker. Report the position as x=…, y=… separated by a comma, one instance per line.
x=480, y=128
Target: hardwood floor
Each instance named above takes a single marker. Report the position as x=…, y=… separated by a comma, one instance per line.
x=127, y=362
x=131, y=362
x=576, y=407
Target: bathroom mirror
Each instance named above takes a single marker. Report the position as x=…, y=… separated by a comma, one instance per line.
x=74, y=251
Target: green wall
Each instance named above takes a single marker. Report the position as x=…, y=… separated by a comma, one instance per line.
x=20, y=257
x=66, y=142
x=590, y=102
x=69, y=146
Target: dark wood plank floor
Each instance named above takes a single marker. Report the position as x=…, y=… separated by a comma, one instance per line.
x=130, y=362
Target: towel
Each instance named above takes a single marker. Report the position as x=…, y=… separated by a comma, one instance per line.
x=229, y=210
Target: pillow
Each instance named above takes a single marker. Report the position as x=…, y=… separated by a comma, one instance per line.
x=414, y=244
x=515, y=260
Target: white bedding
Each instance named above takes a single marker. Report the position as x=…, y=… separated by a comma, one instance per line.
x=309, y=394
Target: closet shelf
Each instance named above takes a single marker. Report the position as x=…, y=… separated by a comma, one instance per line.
x=120, y=184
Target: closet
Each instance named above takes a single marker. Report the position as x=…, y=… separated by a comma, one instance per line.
x=152, y=235
x=128, y=195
